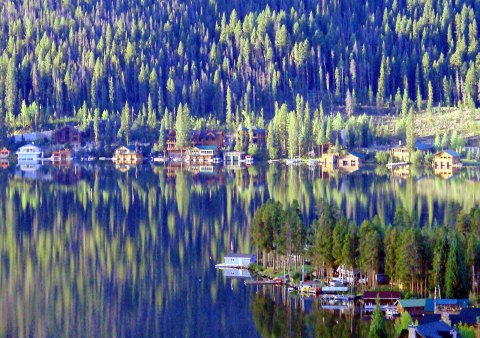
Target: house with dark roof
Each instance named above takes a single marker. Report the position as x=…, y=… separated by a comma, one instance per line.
x=387, y=299
x=68, y=135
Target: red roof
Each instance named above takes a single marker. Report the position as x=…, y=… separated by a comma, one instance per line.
x=390, y=295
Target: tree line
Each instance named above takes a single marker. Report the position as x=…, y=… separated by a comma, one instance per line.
x=419, y=259
x=73, y=60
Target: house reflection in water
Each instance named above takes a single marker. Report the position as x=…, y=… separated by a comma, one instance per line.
x=30, y=170
x=446, y=173
x=66, y=174
x=4, y=164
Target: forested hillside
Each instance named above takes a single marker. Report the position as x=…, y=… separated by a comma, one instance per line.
x=231, y=59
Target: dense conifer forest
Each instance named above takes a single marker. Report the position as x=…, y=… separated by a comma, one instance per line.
x=231, y=61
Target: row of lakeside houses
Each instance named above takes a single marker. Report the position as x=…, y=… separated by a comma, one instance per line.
x=444, y=159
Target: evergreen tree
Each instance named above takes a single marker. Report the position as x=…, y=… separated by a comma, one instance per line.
x=438, y=142
x=430, y=97
x=182, y=126
x=293, y=135
x=96, y=126
x=349, y=104
x=410, y=132
x=377, y=325
x=125, y=124
x=405, y=103
x=456, y=283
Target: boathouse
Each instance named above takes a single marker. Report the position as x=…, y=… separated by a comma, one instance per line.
x=62, y=155
x=241, y=260
x=202, y=154
x=233, y=157
x=29, y=152
x=387, y=299
x=446, y=159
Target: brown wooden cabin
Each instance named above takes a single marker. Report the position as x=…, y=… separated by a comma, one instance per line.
x=68, y=134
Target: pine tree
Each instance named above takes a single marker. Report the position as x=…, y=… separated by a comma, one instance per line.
x=348, y=104
x=438, y=142
x=381, y=85
x=160, y=146
x=405, y=102
x=96, y=126
x=182, y=126
x=456, y=283
x=152, y=115
x=377, y=325
x=410, y=131
x=272, y=147
x=229, y=108
x=430, y=97
x=10, y=88
x=419, y=99
x=293, y=135
x=125, y=124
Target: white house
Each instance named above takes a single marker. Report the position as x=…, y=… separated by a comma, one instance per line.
x=243, y=260
x=29, y=152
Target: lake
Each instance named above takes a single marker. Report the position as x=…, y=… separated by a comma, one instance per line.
x=92, y=249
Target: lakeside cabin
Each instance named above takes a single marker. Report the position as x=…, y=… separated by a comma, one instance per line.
x=446, y=159
x=68, y=135
x=62, y=155
x=400, y=154
x=350, y=161
x=127, y=155
x=29, y=152
x=4, y=153
x=415, y=307
x=202, y=154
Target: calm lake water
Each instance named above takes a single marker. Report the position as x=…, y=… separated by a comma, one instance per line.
x=97, y=250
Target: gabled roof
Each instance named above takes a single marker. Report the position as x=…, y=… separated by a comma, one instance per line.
x=434, y=329
x=449, y=152
x=356, y=154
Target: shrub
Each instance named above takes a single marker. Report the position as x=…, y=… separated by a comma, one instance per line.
x=381, y=157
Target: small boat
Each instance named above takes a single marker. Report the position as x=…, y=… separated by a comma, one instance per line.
x=290, y=289
x=249, y=159
x=90, y=158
